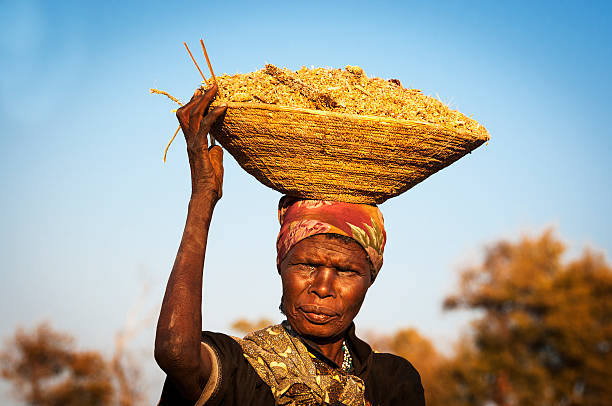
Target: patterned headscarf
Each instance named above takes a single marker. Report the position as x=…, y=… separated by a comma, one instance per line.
x=301, y=218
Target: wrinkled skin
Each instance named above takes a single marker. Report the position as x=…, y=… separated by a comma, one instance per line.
x=177, y=342
x=206, y=165
x=325, y=280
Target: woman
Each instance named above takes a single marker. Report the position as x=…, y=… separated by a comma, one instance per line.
x=329, y=254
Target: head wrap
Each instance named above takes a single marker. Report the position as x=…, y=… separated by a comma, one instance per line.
x=300, y=218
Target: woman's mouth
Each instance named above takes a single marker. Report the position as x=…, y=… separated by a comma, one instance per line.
x=317, y=314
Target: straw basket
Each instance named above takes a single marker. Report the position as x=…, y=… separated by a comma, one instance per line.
x=335, y=156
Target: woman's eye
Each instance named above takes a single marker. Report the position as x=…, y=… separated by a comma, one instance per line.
x=307, y=267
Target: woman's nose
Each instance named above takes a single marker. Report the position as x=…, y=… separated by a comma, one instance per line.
x=323, y=282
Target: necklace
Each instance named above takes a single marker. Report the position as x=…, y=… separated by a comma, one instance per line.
x=347, y=361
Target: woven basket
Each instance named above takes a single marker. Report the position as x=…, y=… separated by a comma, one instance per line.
x=335, y=156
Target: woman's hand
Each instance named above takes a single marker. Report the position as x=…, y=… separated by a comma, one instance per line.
x=206, y=164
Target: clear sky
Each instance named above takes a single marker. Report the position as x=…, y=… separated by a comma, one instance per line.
x=89, y=214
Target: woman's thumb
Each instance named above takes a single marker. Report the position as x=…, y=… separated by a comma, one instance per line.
x=216, y=160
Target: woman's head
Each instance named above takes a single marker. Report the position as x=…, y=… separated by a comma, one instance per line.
x=325, y=279
x=300, y=218
x=329, y=254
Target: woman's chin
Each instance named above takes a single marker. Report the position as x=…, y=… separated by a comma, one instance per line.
x=317, y=327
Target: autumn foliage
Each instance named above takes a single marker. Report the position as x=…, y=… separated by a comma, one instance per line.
x=46, y=369
x=545, y=334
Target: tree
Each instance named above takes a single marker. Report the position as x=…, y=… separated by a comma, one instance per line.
x=545, y=335
x=46, y=370
x=422, y=354
x=246, y=326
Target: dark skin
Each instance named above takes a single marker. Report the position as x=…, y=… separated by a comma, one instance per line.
x=324, y=279
x=177, y=343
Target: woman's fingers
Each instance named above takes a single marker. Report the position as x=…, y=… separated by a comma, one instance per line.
x=211, y=117
x=190, y=115
x=183, y=113
x=198, y=92
x=201, y=104
x=200, y=140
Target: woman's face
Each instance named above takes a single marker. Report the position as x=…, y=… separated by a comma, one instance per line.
x=325, y=280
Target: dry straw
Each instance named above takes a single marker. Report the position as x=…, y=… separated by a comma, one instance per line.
x=212, y=73
x=195, y=63
x=314, y=147
x=177, y=101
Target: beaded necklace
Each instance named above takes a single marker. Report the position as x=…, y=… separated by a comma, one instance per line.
x=347, y=361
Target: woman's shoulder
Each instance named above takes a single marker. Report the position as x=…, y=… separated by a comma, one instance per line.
x=394, y=364
x=395, y=379
x=237, y=383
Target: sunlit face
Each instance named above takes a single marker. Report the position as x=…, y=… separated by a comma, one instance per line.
x=325, y=280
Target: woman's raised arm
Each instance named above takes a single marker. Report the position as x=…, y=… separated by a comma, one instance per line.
x=177, y=343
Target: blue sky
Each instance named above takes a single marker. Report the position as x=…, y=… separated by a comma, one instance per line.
x=90, y=213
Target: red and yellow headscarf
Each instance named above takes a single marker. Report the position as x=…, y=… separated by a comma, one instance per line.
x=301, y=218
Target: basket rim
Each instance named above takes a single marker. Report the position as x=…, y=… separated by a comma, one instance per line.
x=481, y=135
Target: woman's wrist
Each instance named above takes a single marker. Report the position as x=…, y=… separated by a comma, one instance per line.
x=203, y=199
